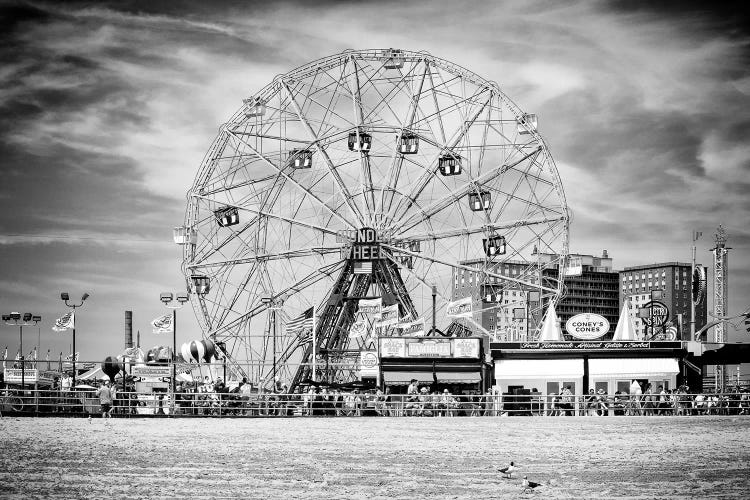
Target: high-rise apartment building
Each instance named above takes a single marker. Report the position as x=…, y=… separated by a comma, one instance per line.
x=668, y=286
x=591, y=286
x=513, y=314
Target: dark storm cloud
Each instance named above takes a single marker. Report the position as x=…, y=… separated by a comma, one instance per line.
x=730, y=17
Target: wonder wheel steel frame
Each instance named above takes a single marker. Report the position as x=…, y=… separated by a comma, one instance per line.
x=436, y=161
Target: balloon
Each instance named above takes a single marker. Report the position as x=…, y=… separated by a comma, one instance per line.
x=185, y=352
x=111, y=367
x=210, y=349
x=194, y=351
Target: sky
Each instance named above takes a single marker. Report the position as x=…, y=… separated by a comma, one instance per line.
x=107, y=109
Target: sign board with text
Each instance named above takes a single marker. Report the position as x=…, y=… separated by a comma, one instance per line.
x=429, y=347
x=30, y=376
x=583, y=346
x=146, y=371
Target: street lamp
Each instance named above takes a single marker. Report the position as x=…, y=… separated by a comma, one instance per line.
x=65, y=298
x=167, y=298
x=28, y=319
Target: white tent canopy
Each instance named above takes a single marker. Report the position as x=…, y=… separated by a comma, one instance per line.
x=95, y=373
x=551, y=328
x=625, y=330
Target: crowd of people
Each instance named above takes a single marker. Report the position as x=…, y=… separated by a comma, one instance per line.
x=651, y=401
x=215, y=397
x=210, y=398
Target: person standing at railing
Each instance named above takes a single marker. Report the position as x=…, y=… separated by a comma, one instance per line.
x=566, y=401
x=589, y=403
x=663, y=404
x=602, y=402
x=648, y=401
x=106, y=395
x=636, y=394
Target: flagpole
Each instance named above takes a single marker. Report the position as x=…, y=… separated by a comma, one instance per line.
x=23, y=365
x=692, y=299
x=73, y=385
x=314, y=348
x=174, y=356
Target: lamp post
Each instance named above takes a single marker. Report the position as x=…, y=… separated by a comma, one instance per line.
x=28, y=319
x=65, y=298
x=167, y=298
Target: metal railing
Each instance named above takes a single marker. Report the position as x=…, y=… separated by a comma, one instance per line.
x=349, y=404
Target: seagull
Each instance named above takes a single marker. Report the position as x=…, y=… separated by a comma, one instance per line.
x=89, y=418
x=529, y=485
x=508, y=471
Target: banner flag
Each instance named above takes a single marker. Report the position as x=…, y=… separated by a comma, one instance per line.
x=370, y=306
x=67, y=320
x=461, y=308
x=388, y=316
x=163, y=324
x=412, y=328
x=359, y=328
x=5, y=356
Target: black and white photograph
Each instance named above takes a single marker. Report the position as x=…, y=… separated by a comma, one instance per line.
x=374, y=249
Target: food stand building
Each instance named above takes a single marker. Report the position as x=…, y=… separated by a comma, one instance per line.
x=607, y=365
x=456, y=363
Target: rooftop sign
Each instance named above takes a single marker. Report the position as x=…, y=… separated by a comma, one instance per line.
x=587, y=326
x=583, y=346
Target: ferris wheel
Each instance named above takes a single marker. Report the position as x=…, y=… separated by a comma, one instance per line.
x=373, y=173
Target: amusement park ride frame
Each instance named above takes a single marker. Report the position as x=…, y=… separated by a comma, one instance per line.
x=348, y=178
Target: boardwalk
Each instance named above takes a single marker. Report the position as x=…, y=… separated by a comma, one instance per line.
x=584, y=457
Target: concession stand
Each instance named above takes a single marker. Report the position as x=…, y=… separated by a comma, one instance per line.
x=608, y=365
x=456, y=363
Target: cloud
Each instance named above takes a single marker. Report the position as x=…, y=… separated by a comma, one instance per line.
x=107, y=109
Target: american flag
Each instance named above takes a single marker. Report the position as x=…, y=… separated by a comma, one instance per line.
x=363, y=267
x=301, y=325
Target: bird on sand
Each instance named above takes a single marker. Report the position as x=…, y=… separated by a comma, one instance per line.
x=508, y=471
x=529, y=485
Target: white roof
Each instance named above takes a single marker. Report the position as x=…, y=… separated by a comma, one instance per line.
x=538, y=368
x=633, y=367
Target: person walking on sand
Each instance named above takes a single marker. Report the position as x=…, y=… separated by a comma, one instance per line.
x=106, y=396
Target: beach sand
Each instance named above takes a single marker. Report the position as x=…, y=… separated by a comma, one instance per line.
x=573, y=457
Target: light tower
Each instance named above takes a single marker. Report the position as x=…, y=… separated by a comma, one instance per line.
x=721, y=293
